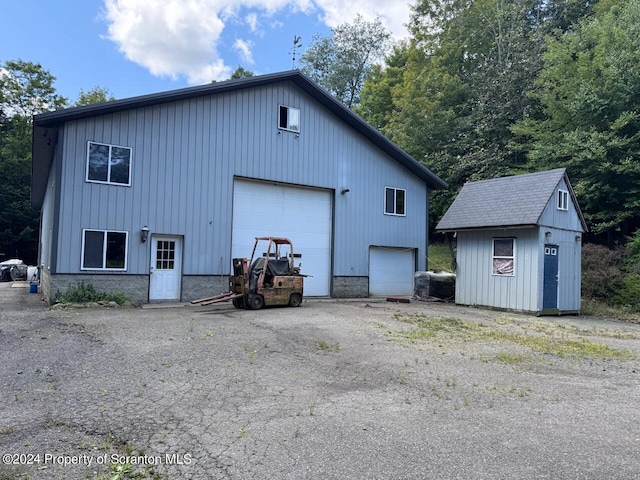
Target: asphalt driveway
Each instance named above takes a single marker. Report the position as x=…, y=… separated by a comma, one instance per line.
x=332, y=389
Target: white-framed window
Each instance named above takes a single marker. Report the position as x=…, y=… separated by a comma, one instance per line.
x=394, y=201
x=504, y=255
x=108, y=164
x=104, y=250
x=289, y=118
x=563, y=200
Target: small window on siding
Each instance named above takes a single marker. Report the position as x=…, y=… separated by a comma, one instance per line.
x=563, y=200
x=504, y=256
x=289, y=118
x=108, y=164
x=104, y=250
x=394, y=201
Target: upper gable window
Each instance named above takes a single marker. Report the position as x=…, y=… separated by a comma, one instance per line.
x=394, y=201
x=563, y=200
x=108, y=164
x=289, y=118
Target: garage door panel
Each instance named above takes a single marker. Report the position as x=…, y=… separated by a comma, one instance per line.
x=301, y=214
x=391, y=271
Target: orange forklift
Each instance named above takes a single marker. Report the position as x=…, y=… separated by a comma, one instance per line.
x=265, y=280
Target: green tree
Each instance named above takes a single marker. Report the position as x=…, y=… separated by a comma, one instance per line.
x=241, y=72
x=18, y=221
x=377, y=100
x=589, y=115
x=95, y=95
x=450, y=95
x=341, y=62
x=25, y=89
x=466, y=69
x=562, y=15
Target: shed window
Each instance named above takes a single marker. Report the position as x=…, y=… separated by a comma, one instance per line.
x=104, y=250
x=289, y=118
x=503, y=256
x=394, y=201
x=108, y=164
x=563, y=200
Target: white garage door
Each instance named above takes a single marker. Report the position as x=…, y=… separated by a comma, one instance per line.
x=302, y=215
x=391, y=271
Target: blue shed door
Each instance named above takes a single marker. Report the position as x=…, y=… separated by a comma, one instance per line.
x=550, y=287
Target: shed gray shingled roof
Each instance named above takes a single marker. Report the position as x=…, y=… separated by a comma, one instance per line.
x=513, y=201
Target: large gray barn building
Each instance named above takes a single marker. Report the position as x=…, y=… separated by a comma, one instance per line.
x=203, y=170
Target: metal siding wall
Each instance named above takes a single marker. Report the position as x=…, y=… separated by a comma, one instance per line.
x=569, y=267
x=475, y=284
x=552, y=217
x=185, y=156
x=465, y=268
x=566, y=232
x=47, y=219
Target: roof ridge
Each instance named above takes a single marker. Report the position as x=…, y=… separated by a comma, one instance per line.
x=517, y=175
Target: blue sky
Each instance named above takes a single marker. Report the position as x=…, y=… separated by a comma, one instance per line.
x=135, y=47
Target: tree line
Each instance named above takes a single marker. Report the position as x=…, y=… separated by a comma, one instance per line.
x=26, y=89
x=488, y=88
x=480, y=89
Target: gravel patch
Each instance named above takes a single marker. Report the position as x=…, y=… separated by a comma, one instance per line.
x=332, y=389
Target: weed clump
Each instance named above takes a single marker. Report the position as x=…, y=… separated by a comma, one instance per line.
x=86, y=293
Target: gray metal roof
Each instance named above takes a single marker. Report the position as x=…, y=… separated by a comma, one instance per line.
x=46, y=124
x=513, y=201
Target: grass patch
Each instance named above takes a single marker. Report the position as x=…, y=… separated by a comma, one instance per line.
x=251, y=353
x=429, y=327
x=455, y=329
x=440, y=257
x=561, y=347
x=594, y=308
x=327, y=347
x=509, y=358
x=564, y=329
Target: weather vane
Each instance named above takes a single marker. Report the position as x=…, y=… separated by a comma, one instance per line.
x=294, y=50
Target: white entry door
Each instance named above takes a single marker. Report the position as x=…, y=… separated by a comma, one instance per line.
x=166, y=268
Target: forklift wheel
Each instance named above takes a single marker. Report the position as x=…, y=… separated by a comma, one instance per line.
x=256, y=302
x=238, y=302
x=295, y=300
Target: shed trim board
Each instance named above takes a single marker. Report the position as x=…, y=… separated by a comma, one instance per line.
x=301, y=214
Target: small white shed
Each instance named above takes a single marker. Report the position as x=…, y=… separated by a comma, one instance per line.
x=519, y=243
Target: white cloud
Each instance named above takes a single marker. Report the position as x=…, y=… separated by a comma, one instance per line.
x=252, y=21
x=169, y=37
x=244, y=48
x=179, y=38
x=394, y=14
